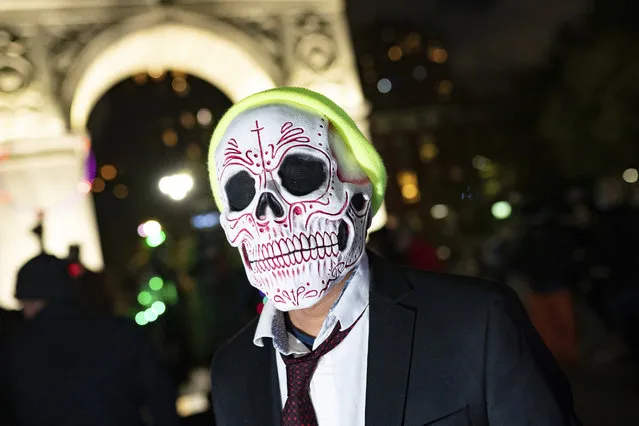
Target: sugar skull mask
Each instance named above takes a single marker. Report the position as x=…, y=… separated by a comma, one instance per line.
x=296, y=204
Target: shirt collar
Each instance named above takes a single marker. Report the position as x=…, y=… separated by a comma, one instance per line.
x=347, y=309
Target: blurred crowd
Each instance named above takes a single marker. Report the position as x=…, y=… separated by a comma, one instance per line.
x=566, y=257
x=65, y=352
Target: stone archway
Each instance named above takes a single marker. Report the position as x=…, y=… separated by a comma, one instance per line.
x=58, y=62
x=213, y=51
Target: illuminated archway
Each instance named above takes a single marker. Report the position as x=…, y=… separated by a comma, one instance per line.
x=238, y=49
x=212, y=51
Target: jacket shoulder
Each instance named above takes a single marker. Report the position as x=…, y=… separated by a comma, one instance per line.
x=230, y=355
x=429, y=286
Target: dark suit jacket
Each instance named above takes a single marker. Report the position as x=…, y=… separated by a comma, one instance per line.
x=442, y=351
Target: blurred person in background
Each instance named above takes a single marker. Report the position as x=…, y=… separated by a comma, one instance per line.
x=495, y=253
x=381, y=243
x=544, y=258
x=615, y=269
x=415, y=251
x=69, y=367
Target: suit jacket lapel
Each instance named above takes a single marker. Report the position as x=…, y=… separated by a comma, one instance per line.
x=276, y=396
x=390, y=345
x=261, y=381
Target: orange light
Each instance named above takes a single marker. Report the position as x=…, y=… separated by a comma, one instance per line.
x=395, y=53
x=98, y=185
x=156, y=73
x=120, y=191
x=169, y=137
x=445, y=87
x=179, y=84
x=410, y=193
x=108, y=172
x=187, y=120
x=140, y=78
x=438, y=55
x=193, y=151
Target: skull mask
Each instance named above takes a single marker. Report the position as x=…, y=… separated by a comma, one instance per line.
x=296, y=204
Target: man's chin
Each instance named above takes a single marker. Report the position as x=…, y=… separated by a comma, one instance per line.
x=286, y=307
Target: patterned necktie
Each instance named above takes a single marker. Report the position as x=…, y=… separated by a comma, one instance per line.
x=298, y=410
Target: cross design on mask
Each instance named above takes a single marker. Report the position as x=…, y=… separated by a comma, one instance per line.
x=290, y=135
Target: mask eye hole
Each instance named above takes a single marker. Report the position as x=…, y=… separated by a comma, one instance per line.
x=302, y=174
x=240, y=191
x=358, y=202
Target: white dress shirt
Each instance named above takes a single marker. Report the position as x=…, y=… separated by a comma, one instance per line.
x=338, y=386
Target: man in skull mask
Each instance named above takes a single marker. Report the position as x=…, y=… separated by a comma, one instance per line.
x=346, y=338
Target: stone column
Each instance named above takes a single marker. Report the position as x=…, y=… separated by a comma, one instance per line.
x=41, y=165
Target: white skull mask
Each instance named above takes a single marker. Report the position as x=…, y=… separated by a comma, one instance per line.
x=295, y=203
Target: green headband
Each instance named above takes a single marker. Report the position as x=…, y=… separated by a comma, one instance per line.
x=363, y=151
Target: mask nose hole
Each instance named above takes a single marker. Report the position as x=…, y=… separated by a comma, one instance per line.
x=268, y=201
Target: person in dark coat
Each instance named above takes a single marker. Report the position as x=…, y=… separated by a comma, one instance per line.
x=545, y=257
x=68, y=367
x=346, y=338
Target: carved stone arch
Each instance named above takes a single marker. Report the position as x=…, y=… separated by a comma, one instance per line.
x=205, y=47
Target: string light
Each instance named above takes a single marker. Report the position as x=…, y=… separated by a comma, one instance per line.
x=150, y=315
x=169, y=137
x=170, y=293
x=204, y=117
x=631, y=175
x=501, y=210
x=98, y=185
x=158, y=307
x=384, y=85
x=108, y=172
x=120, y=191
x=145, y=298
x=140, y=319
x=155, y=240
x=150, y=227
x=439, y=211
x=156, y=283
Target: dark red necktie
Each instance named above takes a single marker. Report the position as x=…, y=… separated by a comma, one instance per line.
x=298, y=410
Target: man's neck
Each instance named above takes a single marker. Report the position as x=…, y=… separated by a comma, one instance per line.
x=310, y=320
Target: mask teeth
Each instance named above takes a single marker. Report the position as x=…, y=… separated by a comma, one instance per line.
x=287, y=252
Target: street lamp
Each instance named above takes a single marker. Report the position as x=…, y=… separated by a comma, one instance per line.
x=176, y=186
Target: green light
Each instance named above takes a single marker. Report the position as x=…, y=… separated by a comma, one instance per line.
x=140, y=318
x=154, y=240
x=158, y=307
x=170, y=293
x=145, y=298
x=264, y=299
x=501, y=209
x=150, y=315
x=156, y=283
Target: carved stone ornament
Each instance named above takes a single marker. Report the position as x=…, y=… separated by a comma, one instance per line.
x=66, y=44
x=16, y=71
x=265, y=30
x=316, y=46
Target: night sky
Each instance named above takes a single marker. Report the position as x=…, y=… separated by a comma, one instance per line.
x=485, y=37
